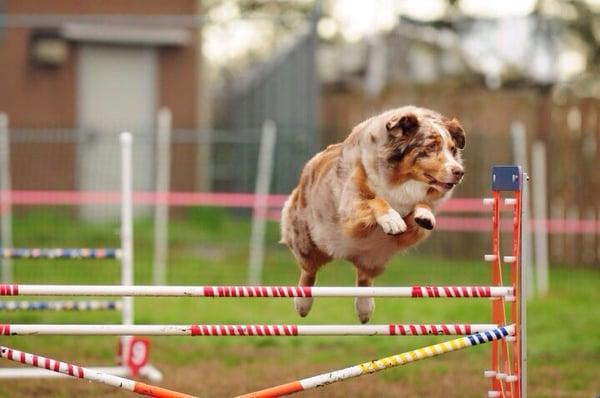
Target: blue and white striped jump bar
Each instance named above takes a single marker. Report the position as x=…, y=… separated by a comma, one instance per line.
x=85, y=253
x=70, y=305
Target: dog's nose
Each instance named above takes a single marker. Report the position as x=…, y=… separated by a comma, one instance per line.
x=458, y=172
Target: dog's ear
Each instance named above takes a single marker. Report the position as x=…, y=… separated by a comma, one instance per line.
x=456, y=132
x=406, y=124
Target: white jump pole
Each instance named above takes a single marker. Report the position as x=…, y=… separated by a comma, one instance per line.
x=257, y=291
x=161, y=208
x=245, y=330
x=540, y=213
x=519, y=141
x=5, y=202
x=126, y=236
x=259, y=215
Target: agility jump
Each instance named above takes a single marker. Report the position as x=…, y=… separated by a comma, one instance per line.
x=507, y=371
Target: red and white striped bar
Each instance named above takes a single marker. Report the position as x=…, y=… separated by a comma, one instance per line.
x=255, y=291
x=88, y=374
x=244, y=330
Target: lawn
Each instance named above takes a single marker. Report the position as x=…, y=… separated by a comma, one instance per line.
x=210, y=247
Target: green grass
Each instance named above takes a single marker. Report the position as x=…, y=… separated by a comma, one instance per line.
x=208, y=246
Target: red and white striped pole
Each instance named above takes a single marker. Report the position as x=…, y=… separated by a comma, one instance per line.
x=244, y=330
x=88, y=374
x=256, y=291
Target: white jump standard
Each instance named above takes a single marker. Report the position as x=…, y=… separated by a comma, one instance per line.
x=125, y=256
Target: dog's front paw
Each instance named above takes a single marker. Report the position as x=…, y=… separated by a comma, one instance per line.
x=424, y=218
x=391, y=222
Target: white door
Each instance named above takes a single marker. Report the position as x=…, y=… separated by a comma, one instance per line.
x=117, y=91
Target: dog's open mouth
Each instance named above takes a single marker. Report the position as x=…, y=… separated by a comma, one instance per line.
x=446, y=186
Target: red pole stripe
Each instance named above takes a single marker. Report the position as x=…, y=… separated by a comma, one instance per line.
x=22, y=357
x=294, y=330
x=9, y=290
x=79, y=372
x=70, y=369
x=208, y=291
x=194, y=330
x=34, y=360
x=416, y=292
x=240, y=330
x=205, y=330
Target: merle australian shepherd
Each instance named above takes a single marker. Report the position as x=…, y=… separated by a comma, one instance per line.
x=372, y=195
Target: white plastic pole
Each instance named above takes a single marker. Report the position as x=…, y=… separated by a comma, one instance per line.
x=256, y=291
x=126, y=235
x=5, y=202
x=259, y=215
x=161, y=208
x=247, y=330
x=540, y=213
x=519, y=141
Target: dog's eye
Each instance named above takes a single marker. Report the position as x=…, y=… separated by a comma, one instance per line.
x=433, y=146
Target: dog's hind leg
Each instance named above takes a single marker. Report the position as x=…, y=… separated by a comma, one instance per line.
x=364, y=305
x=304, y=304
x=309, y=263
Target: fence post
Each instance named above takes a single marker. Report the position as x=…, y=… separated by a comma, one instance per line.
x=260, y=211
x=519, y=141
x=5, y=201
x=126, y=236
x=540, y=213
x=161, y=205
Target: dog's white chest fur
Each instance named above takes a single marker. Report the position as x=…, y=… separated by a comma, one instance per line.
x=405, y=196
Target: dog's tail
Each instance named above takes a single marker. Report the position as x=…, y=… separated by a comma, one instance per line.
x=286, y=219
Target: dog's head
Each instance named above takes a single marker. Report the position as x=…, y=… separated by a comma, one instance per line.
x=420, y=144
